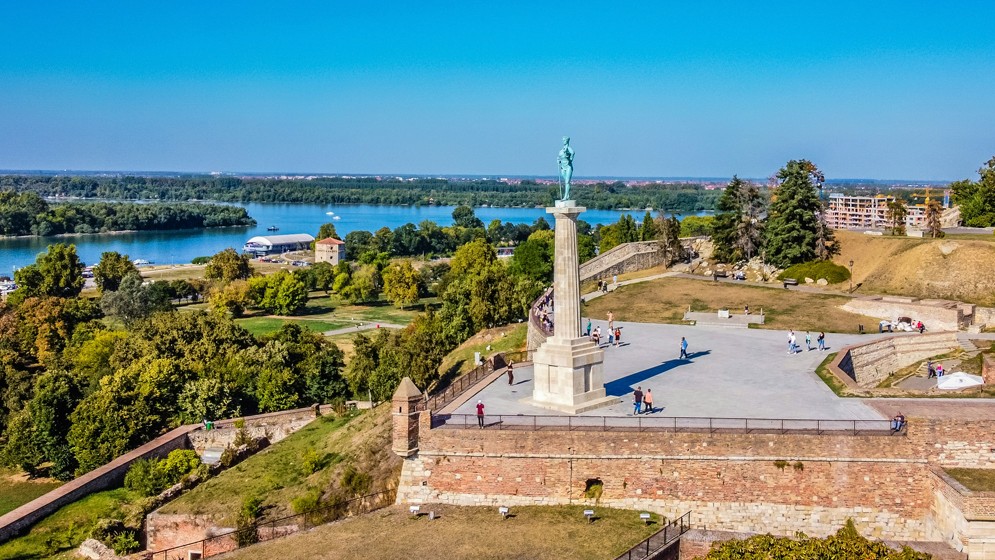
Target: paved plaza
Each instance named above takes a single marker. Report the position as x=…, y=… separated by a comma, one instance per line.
x=729, y=373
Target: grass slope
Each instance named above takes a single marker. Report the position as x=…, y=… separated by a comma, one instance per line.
x=58, y=534
x=665, y=301
x=278, y=474
x=470, y=533
x=265, y=325
x=16, y=489
x=976, y=480
x=955, y=267
x=510, y=338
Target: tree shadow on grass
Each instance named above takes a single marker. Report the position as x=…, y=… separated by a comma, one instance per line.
x=625, y=385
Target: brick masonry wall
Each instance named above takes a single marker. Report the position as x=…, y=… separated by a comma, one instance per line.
x=274, y=425
x=988, y=369
x=729, y=481
x=627, y=257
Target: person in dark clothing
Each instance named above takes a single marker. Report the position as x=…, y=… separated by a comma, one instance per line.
x=637, y=400
x=511, y=373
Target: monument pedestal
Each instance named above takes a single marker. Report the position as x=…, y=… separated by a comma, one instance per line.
x=568, y=369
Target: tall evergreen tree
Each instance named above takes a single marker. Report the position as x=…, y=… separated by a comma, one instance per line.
x=648, y=230
x=727, y=218
x=796, y=232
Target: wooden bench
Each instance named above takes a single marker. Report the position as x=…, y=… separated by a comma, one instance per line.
x=790, y=282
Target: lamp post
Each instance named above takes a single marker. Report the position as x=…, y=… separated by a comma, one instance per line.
x=851, y=276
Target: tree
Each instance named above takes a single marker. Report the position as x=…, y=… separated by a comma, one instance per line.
x=977, y=199
x=648, y=230
x=401, y=284
x=737, y=230
x=228, y=266
x=57, y=273
x=534, y=257
x=463, y=216
x=364, y=285
x=111, y=270
x=794, y=226
x=134, y=300
x=694, y=226
x=57, y=393
x=49, y=323
x=231, y=299
x=326, y=231
x=933, y=212
x=897, y=213
x=281, y=293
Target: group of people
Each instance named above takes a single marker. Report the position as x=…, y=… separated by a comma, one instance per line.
x=793, y=347
x=603, y=285
x=642, y=403
x=544, y=311
x=614, y=332
x=933, y=371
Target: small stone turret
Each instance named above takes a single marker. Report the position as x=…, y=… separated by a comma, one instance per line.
x=404, y=415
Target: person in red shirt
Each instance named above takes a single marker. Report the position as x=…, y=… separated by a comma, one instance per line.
x=480, y=414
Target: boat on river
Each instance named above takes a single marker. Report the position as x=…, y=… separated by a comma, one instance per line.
x=272, y=228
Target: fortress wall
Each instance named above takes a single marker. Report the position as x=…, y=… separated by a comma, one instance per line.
x=730, y=481
x=872, y=362
x=275, y=426
x=936, y=315
x=984, y=316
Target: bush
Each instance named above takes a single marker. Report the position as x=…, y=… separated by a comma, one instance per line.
x=308, y=502
x=355, y=481
x=311, y=462
x=150, y=477
x=125, y=542
x=829, y=270
x=200, y=260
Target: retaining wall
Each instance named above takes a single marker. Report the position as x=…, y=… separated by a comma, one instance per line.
x=627, y=257
x=984, y=316
x=963, y=519
x=868, y=364
x=937, y=315
x=276, y=425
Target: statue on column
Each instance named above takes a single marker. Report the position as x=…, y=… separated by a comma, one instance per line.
x=565, y=161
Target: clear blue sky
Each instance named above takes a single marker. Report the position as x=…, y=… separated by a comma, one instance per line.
x=864, y=89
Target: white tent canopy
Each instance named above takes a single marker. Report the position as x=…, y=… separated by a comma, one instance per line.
x=959, y=380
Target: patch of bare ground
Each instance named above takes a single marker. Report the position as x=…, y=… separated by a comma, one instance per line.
x=470, y=533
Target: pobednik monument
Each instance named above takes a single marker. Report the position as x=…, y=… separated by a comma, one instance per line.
x=568, y=367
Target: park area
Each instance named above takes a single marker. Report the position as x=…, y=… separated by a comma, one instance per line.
x=667, y=299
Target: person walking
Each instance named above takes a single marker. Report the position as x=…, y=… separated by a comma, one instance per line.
x=808, y=340
x=822, y=341
x=684, y=348
x=791, y=342
x=611, y=321
x=611, y=337
x=648, y=401
x=637, y=400
x=588, y=332
x=480, y=414
x=618, y=336
x=597, y=335
x=511, y=373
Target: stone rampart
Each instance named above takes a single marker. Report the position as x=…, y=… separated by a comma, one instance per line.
x=868, y=364
x=963, y=519
x=276, y=426
x=937, y=315
x=984, y=316
x=627, y=257
x=102, y=478
x=778, y=483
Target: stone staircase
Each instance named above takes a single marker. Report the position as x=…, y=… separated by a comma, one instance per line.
x=966, y=343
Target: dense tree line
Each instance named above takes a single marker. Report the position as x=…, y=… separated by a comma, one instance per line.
x=77, y=390
x=26, y=213
x=681, y=198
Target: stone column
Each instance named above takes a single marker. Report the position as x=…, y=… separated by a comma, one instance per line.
x=568, y=367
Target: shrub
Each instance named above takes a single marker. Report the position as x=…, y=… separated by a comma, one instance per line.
x=149, y=477
x=252, y=507
x=593, y=489
x=307, y=502
x=200, y=260
x=829, y=270
x=125, y=542
x=355, y=481
x=311, y=462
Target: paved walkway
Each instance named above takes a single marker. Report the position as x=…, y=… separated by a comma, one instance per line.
x=363, y=327
x=729, y=374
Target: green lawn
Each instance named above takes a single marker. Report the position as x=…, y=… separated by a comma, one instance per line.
x=280, y=474
x=265, y=325
x=64, y=530
x=15, y=491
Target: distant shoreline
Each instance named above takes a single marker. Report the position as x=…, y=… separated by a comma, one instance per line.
x=116, y=232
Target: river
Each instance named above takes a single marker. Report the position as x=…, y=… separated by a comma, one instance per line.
x=176, y=247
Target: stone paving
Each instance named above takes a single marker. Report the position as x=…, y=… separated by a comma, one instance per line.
x=730, y=373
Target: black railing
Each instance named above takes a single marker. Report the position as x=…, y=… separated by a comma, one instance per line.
x=269, y=530
x=664, y=424
x=659, y=540
x=462, y=383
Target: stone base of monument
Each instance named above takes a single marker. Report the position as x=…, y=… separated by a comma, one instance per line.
x=568, y=376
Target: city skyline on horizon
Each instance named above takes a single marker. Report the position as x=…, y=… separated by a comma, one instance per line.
x=655, y=91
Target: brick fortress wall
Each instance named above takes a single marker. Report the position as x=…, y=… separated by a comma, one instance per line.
x=730, y=481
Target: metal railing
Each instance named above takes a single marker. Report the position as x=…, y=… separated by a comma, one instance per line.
x=534, y=319
x=659, y=540
x=269, y=530
x=664, y=424
x=462, y=383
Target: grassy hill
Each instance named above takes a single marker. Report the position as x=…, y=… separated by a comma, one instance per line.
x=329, y=460
x=470, y=533
x=958, y=268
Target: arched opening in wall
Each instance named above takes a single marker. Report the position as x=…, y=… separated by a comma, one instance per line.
x=593, y=489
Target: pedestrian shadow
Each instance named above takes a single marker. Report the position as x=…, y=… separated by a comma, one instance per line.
x=624, y=385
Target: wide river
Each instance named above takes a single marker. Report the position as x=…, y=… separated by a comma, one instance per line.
x=173, y=247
